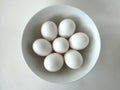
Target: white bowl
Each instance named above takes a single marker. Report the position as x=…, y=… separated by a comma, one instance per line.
x=57, y=13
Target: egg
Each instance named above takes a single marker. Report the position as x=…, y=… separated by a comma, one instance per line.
x=79, y=41
x=53, y=62
x=73, y=59
x=42, y=47
x=49, y=30
x=67, y=28
x=60, y=45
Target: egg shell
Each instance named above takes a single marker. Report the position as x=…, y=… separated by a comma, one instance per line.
x=67, y=28
x=53, y=62
x=79, y=41
x=73, y=59
x=60, y=45
x=49, y=30
x=42, y=47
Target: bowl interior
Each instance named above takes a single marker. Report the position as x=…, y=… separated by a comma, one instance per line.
x=57, y=14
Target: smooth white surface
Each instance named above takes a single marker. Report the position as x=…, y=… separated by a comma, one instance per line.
x=79, y=41
x=66, y=28
x=15, y=74
x=53, y=62
x=73, y=59
x=49, y=30
x=42, y=47
x=60, y=45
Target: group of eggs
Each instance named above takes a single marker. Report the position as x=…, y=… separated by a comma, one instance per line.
x=60, y=45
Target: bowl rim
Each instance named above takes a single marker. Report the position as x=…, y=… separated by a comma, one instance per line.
x=63, y=5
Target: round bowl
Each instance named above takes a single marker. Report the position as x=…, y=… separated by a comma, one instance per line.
x=56, y=14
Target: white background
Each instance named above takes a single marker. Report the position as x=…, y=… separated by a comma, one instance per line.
x=16, y=75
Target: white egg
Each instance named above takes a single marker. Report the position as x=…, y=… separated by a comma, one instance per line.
x=73, y=59
x=49, y=30
x=53, y=62
x=60, y=45
x=66, y=28
x=79, y=41
x=42, y=47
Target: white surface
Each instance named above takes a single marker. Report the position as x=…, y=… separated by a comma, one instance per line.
x=79, y=41
x=49, y=30
x=42, y=47
x=15, y=74
x=51, y=61
x=73, y=59
x=60, y=45
x=66, y=27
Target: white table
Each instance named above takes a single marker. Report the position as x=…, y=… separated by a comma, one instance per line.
x=16, y=75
